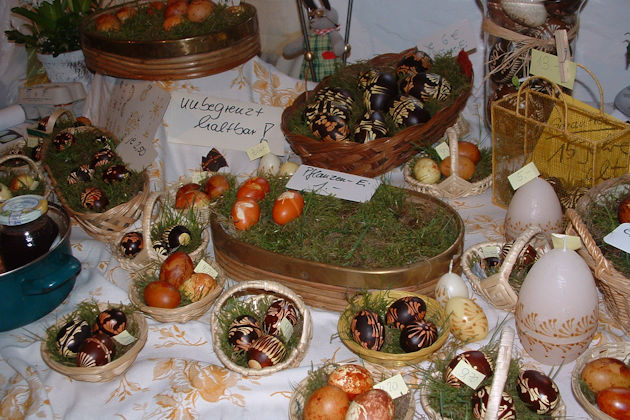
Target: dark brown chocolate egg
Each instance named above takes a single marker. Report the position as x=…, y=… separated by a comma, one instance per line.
x=476, y=359
x=71, y=336
x=243, y=331
x=280, y=318
x=405, y=310
x=331, y=128
x=502, y=64
x=101, y=158
x=418, y=335
x=97, y=350
x=83, y=173
x=427, y=87
x=36, y=153
x=63, y=140
x=367, y=329
x=175, y=236
x=116, y=173
x=479, y=402
x=111, y=322
x=371, y=126
x=131, y=244
x=94, y=198
x=407, y=111
x=538, y=391
x=161, y=248
x=265, y=351
x=412, y=63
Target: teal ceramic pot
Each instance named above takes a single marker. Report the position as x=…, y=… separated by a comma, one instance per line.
x=33, y=290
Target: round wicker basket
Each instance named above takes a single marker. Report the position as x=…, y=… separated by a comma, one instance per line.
x=106, y=372
x=453, y=186
x=616, y=350
x=496, y=289
x=180, y=314
x=379, y=155
x=395, y=360
x=257, y=290
x=614, y=286
x=31, y=168
x=202, y=214
x=405, y=406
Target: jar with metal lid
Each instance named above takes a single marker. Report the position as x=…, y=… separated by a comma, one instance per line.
x=26, y=230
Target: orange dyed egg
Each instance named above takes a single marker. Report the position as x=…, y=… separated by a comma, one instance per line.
x=470, y=150
x=465, y=168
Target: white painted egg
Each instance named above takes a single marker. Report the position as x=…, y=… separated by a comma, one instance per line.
x=468, y=320
x=288, y=168
x=530, y=13
x=269, y=165
x=448, y=286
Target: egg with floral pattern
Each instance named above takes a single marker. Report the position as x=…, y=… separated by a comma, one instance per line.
x=407, y=111
x=412, y=63
x=331, y=128
x=265, y=351
x=111, y=322
x=71, y=336
x=94, y=198
x=405, y=310
x=427, y=87
x=468, y=320
x=280, y=319
x=367, y=329
x=538, y=391
x=131, y=244
x=507, y=410
x=474, y=359
x=418, y=335
x=243, y=331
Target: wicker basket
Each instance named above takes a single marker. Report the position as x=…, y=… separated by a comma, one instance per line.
x=202, y=214
x=33, y=168
x=180, y=314
x=504, y=358
x=106, y=372
x=454, y=186
x=379, y=155
x=257, y=290
x=395, y=360
x=496, y=289
x=616, y=350
x=405, y=405
x=614, y=286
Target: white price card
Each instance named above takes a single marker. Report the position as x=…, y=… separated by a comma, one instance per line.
x=548, y=65
x=523, y=175
x=394, y=386
x=467, y=374
x=204, y=267
x=443, y=150
x=260, y=150
x=124, y=338
x=620, y=237
x=338, y=184
x=454, y=38
x=286, y=329
x=559, y=241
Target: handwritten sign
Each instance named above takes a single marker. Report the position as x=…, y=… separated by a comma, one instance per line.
x=548, y=65
x=338, y=184
x=620, y=237
x=523, y=175
x=456, y=37
x=203, y=120
x=467, y=374
x=394, y=386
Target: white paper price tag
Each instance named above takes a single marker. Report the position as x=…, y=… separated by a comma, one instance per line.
x=523, y=175
x=260, y=150
x=124, y=338
x=572, y=242
x=338, y=184
x=467, y=374
x=394, y=386
x=286, y=329
x=204, y=267
x=620, y=237
x=443, y=150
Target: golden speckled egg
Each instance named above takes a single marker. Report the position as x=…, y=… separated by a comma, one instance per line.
x=468, y=321
x=265, y=351
x=367, y=329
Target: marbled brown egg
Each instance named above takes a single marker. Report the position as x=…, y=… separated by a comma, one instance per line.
x=63, y=140
x=479, y=401
x=97, y=350
x=280, y=319
x=71, y=336
x=538, y=391
x=502, y=64
x=352, y=378
x=417, y=335
x=175, y=236
x=331, y=128
x=116, y=173
x=83, y=173
x=405, y=310
x=367, y=329
x=243, y=331
x=427, y=87
x=94, y=198
x=265, y=351
x=101, y=158
x=412, y=63
x=131, y=244
x=407, y=111
x=478, y=360
x=371, y=126
x=111, y=322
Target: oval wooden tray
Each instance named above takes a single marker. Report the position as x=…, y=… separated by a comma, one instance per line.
x=327, y=286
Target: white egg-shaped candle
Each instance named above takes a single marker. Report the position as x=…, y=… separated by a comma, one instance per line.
x=557, y=309
x=534, y=204
x=450, y=285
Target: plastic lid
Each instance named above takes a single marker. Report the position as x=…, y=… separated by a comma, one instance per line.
x=22, y=209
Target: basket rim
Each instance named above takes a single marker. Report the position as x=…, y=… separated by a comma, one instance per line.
x=33, y=166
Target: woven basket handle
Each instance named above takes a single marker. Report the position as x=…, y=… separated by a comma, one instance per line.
x=504, y=357
x=601, y=263
x=36, y=169
x=519, y=244
x=147, y=212
x=52, y=119
x=453, y=140
x=555, y=88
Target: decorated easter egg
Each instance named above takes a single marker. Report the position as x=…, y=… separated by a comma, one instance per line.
x=101, y=158
x=367, y=329
x=479, y=402
x=269, y=164
x=427, y=87
x=407, y=111
x=502, y=64
x=103, y=141
x=175, y=236
x=83, y=173
x=371, y=126
x=265, y=351
x=352, y=378
x=337, y=95
x=546, y=32
x=563, y=8
x=36, y=153
x=412, y=63
x=405, y=310
x=243, y=331
x=528, y=13
x=97, y=350
x=468, y=321
x=197, y=286
x=160, y=247
x=373, y=77
x=131, y=244
x=71, y=336
x=331, y=127
x=474, y=359
x=316, y=109
x=94, y=198
x=538, y=391
x=280, y=318
x=326, y=403
x=42, y=123
x=115, y=173
x=111, y=322
x=418, y=335
x=374, y=404
x=450, y=285
x=426, y=170
x=378, y=96
x=63, y=140
x=615, y=402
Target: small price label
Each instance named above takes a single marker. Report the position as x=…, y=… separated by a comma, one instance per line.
x=548, y=65
x=260, y=150
x=523, y=175
x=394, y=386
x=490, y=252
x=467, y=374
x=286, y=329
x=204, y=267
x=443, y=150
x=124, y=338
x=620, y=237
x=558, y=241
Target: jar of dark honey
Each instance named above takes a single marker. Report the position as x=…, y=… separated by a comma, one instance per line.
x=26, y=230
